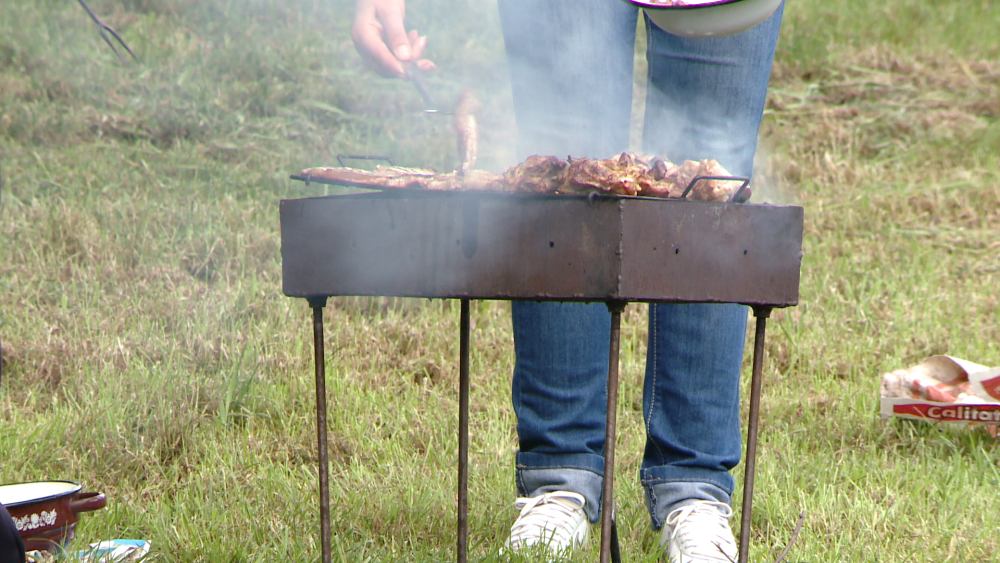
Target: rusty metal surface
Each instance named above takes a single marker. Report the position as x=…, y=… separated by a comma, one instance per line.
x=712, y=252
x=504, y=246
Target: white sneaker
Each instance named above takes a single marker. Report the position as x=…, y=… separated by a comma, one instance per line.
x=555, y=520
x=699, y=533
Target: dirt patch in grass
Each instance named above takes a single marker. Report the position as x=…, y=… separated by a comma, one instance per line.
x=878, y=114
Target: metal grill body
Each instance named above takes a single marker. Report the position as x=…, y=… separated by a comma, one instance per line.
x=467, y=245
x=475, y=245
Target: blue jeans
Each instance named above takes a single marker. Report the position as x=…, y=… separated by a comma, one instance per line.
x=571, y=74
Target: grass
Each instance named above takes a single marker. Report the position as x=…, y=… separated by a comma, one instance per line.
x=150, y=354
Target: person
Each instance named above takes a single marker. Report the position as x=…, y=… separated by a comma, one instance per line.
x=571, y=66
x=11, y=545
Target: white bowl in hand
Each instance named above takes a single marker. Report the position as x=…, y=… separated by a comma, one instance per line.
x=706, y=18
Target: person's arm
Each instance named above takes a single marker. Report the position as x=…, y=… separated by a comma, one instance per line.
x=382, y=40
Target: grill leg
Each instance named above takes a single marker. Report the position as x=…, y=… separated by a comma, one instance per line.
x=463, y=436
x=761, y=313
x=607, y=501
x=317, y=304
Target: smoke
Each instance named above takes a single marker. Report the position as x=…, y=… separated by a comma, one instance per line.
x=572, y=65
x=770, y=182
x=571, y=74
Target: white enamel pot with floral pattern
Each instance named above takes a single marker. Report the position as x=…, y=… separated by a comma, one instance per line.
x=45, y=512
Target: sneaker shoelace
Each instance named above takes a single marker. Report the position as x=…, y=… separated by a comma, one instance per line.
x=700, y=532
x=552, y=519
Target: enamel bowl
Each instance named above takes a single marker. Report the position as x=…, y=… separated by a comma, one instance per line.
x=45, y=513
x=707, y=18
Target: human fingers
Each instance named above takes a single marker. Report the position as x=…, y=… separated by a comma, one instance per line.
x=419, y=43
x=391, y=14
x=369, y=44
x=371, y=36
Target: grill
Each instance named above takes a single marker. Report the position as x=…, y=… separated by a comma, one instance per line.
x=478, y=245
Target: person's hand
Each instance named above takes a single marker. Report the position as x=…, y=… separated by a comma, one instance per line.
x=383, y=42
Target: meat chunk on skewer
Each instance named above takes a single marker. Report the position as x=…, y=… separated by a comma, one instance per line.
x=622, y=175
x=537, y=174
x=468, y=130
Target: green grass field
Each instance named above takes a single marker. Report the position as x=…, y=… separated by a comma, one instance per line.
x=149, y=352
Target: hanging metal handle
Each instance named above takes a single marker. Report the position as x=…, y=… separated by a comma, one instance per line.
x=735, y=198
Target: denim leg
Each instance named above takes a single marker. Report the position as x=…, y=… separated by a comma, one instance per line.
x=571, y=74
x=560, y=397
x=571, y=78
x=705, y=100
x=706, y=97
x=570, y=64
x=691, y=404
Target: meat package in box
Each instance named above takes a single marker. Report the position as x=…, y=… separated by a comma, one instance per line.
x=943, y=389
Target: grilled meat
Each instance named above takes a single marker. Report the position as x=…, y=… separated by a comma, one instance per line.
x=627, y=174
x=624, y=175
x=382, y=176
x=468, y=130
x=399, y=177
x=713, y=190
x=478, y=180
x=537, y=174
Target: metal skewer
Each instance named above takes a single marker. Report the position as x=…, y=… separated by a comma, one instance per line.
x=104, y=30
x=416, y=76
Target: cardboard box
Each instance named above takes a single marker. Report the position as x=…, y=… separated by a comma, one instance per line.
x=943, y=389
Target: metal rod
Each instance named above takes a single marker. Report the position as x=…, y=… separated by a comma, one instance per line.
x=416, y=76
x=317, y=304
x=607, y=500
x=616, y=551
x=463, y=436
x=751, y=459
